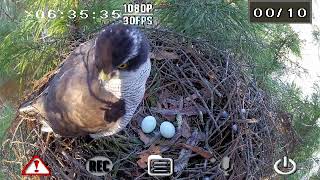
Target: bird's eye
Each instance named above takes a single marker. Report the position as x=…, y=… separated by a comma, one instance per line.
x=123, y=66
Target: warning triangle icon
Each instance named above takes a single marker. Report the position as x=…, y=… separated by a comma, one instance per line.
x=36, y=167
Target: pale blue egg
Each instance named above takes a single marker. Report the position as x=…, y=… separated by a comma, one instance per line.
x=167, y=129
x=148, y=124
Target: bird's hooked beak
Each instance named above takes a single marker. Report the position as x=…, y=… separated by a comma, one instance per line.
x=104, y=77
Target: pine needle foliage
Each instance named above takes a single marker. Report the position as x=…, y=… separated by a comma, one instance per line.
x=306, y=117
x=36, y=44
x=226, y=25
x=6, y=115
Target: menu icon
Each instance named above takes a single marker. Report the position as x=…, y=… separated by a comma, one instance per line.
x=159, y=166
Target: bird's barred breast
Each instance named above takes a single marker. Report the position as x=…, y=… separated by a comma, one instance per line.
x=130, y=86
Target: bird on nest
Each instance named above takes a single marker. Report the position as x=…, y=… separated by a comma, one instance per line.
x=98, y=87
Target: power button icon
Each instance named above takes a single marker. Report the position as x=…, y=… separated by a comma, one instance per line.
x=285, y=166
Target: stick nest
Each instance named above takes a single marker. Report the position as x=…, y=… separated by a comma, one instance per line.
x=226, y=127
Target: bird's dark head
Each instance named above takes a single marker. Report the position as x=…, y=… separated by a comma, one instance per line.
x=120, y=48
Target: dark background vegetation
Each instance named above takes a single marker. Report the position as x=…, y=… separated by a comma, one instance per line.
x=29, y=48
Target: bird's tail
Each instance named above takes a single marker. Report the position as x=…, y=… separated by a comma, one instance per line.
x=36, y=107
x=33, y=107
